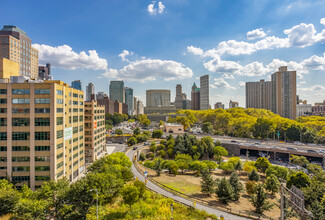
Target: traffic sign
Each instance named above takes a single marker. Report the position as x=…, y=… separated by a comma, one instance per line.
x=146, y=174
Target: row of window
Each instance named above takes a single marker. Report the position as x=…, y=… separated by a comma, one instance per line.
x=25, y=91
x=22, y=136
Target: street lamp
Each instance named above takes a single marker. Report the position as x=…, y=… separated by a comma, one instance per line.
x=96, y=199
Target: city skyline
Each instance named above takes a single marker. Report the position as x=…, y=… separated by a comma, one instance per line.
x=179, y=43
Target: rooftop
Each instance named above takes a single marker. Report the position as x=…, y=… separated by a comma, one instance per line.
x=13, y=28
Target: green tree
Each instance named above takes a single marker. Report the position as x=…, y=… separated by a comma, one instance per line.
x=118, y=131
x=250, y=186
x=8, y=197
x=137, y=131
x=262, y=164
x=299, y=180
x=198, y=166
x=207, y=127
x=143, y=120
x=132, y=141
x=299, y=160
x=157, y=133
x=158, y=166
x=210, y=164
x=237, y=186
x=259, y=199
x=253, y=176
x=208, y=146
x=262, y=128
x=272, y=184
x=280, y=172
x=130, y=194
x=31, y=209
x=219, y=152
x=207, y=182
x=141, y=187
x=226, y=167
x=225, y=191
x=239, y=166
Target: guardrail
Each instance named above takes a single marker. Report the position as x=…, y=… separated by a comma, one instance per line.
x=246, y=214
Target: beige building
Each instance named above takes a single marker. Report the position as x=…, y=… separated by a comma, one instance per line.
x=16, y=46
x=259, y=94
x=233, y=104
x=8, y=68
x=172, y=128
x=41, y=132
x=219, y=105
x=95, y=140
x=158, y=101
x=284, y=93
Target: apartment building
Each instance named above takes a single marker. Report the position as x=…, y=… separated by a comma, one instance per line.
x=95, y=140
x=41, y=131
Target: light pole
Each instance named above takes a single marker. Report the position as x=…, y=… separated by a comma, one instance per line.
x=96, y=199
x=171, y=211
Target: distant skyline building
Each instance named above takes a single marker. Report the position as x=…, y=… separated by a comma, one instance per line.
x=233, y=104
x=204, y=92
x=304, y=109
x=16, y=46
x=140, y=108
x=90, y=92
x=179, y=98
x=116, y=91
x=76, y=84
x=129, y=100
x=195, y=97
x=158, y=101
x=219, y=105
x=101, y=95
x=259, y=94
x=44, y=72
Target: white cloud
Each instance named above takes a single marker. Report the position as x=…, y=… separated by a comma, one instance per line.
x=153, y=10
x=312, y=88
x=322, y=21
x=241, y=84
x=64, y=57
x=255, y=34
x=150, y=69
x=124, y=54
x=221, y=83
x=301, y=35
x=315, y=62
x=195, y=50
x=227, y=76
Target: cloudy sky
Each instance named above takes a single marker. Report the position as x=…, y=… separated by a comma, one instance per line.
x=158, y=44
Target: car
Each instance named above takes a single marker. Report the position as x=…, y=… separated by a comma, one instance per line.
x=321, y=151
x=146, y=143
x=233, y=141
x=312, y=151
x=258, y=143
x=134, y=148
x=292, y=148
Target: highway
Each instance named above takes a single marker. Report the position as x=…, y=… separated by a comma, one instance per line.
x=161, y=191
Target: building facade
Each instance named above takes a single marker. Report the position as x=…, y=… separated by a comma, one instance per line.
x=304, y=109
x=204, y=92
x=116, y=91
x=219, y=105
x=41, y=132
x=118, y=107
x=16, y=46
x=284, y=93
x=76, y=84
x=8, y=68
x=158, y=101
x=233, y=104
x=95, y=139
x=90, y=92
x=129, y=100
x=140, y=108
x=108, y=103
x=259, y=94
x=195, y=97
x=179, y=98
x=44, y=72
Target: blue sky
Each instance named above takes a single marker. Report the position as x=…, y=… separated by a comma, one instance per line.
x=158, y=44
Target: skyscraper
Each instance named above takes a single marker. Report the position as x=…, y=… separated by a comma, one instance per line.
x=158, y=101
x=116, y=91
x=284, y=93
x=204, y=92
x=258, y=94
x=129, y=100
x=179, y=98
x=90, y=92
x=76, y=84
x=16, y=46
x=195, y=97
x=44, y=72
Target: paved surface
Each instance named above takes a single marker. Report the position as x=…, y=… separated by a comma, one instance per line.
x=159, y=190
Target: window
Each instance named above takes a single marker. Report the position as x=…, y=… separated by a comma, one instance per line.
x=42, y=168
x=59, y=101
x=59, y=146
x=59, y=134
x=81, y=128
x=20, y=136
x=21, y=169
x=20, y=159
x=42, y=158
x=3, y=148
x=20, y=148
x=59, y=165
x=20, y=110
x=75, y=102
x=3, y=101
x=42, y=91
x=58, y=110
x=81, y=103
x=81, y=118
x=75, y=110
x=20, y=122
x=75, y=163
x=60, y=174
x=81, y=109
x=20, y=91
x=39, y=136
x=3, y=159
x=59, y=156
x=42, y=178
x=3, y=136
x=3, y=91
x=75, y=130
x=20, y=101
x=42, y=148
x=20, y=178
x=75, y=139
x=42, y=101
x=3, y=110
x=3, y=121
x=59, y=121
x=42, y=110
x=75, y=95
x=39, y=122
x=59, y=92
x=75, y=119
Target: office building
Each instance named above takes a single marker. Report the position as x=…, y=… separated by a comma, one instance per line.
x=118, y=107
x=44, y=72
x=204, y=92
x=178, y=99
x=90, y=92
x=195, y=98
x=284, y=93
x=233, y=104
x=140, y=109
x=108, y=103
x=129, y=100
x=76, y=84
x=16, y=46
x=116, y=91
x=304, y=109
x=219, y=105
x=101, y=95
x=8, y=68
x=125, y=109
x=41, y=132
x=158, y=101
x=135, y=106
x=259, y=94
x=95, y=139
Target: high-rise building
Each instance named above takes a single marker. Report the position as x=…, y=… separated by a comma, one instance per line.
x=204, y=92
x=16, y=46
x=219, y=105
x=129, y=100
x=116, y=91
x=108, y=103
x=41, y=132
x=76, y=84
x=95, y=139
x=158, y=101
x=44, y=72
x=134, y=105
x=179, y=99
x=90, y=92
x=259, y=94
x=195, y=97
x=140, y=109
x=233, y=104
x=284, y=93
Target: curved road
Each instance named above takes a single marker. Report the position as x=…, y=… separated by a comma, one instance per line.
x=159, y=190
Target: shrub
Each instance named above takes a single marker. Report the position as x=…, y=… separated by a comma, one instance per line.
x=262, y=164
x=162, y=153
x=142, y=157
x=157, y=133
x=149, y=164
x=150, y=155
x=299, y=180
x=225, y=191
x=249, y=166
x=250, y=185
x=253, y=176
x=132, y=141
